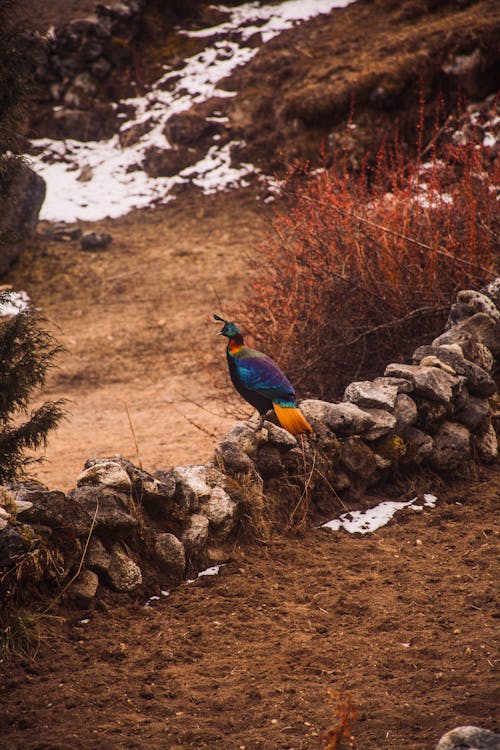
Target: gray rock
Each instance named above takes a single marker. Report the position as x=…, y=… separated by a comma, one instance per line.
x=21, y=203
x=160, y=162
x=419, y=445
x=191, y=487
x=123, y=574
x=243, y=433
x=475, y=415
x=279, y=437
x=220, y=509
x=382, y=423
x=345, y=419
x=269, y=462
x=62, y=232
x=402, y=385
x=469, y=738
x=359, y=461
x=428, y=382
x=97, y=558
x=156, y=489
x=170, y=553
x=53, y=509
x=479, y=302
x=109, y=473
x=368, y=394
x=479, y=381
x=492, y=290
x=84, y=589
x=487, y=445
x=405, y=412
x=114, y=509
x=234, y=460
x=480, y=328
x=452, y=447
x=195, y=536
x=483, y=357
x=12, y=544
x=189, y=128
x=431, y=414
x=95, y=240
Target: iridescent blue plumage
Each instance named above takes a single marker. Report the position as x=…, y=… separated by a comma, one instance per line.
x=259, y=380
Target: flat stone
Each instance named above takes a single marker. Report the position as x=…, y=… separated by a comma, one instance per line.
x=345, y=418
x=109, y=473
x=479, y=381
x=382, y=423
x=428, y=382
x=368, y=394
x=112, y=509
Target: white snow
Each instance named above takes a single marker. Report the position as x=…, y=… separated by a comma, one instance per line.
x=115, y=181
x=366, y=521
x=14, y=303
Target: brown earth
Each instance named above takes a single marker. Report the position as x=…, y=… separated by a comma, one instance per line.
x=135, y=320
x=402, y=619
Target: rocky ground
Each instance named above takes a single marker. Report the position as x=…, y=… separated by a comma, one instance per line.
x=402, y=619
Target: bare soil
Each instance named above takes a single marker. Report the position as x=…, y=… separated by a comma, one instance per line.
x=143, y=372
x=402, y=620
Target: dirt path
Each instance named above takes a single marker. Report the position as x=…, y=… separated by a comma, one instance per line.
x=136, y=323
x=401, y=619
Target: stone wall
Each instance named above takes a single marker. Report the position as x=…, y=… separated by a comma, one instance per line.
x=79, y=72
x=124, y=529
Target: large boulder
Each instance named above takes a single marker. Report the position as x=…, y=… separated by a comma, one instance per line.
x=368, y=394
x=20, y=206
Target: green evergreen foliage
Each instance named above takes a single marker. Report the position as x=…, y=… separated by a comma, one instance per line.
x=27, y=351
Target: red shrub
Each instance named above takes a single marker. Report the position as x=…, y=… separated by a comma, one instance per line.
x=361, y=269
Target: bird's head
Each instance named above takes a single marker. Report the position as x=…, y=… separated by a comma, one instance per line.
x=229, y=329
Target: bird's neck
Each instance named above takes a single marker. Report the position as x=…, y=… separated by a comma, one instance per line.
x=235, y=343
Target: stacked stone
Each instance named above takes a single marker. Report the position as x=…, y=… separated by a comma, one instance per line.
x=75, y=64
x=121, y=522
x=437, y=411
x=117, y=515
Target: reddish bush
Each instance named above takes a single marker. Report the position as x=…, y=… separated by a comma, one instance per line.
x=361, y=269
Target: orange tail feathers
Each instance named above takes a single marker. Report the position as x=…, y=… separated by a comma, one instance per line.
x=292, y=419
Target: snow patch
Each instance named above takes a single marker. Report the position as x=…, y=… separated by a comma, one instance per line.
x=14, y=303
x=366, y=521
x=117, y=182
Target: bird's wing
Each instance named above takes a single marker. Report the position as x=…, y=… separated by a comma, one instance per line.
x=261, y=374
